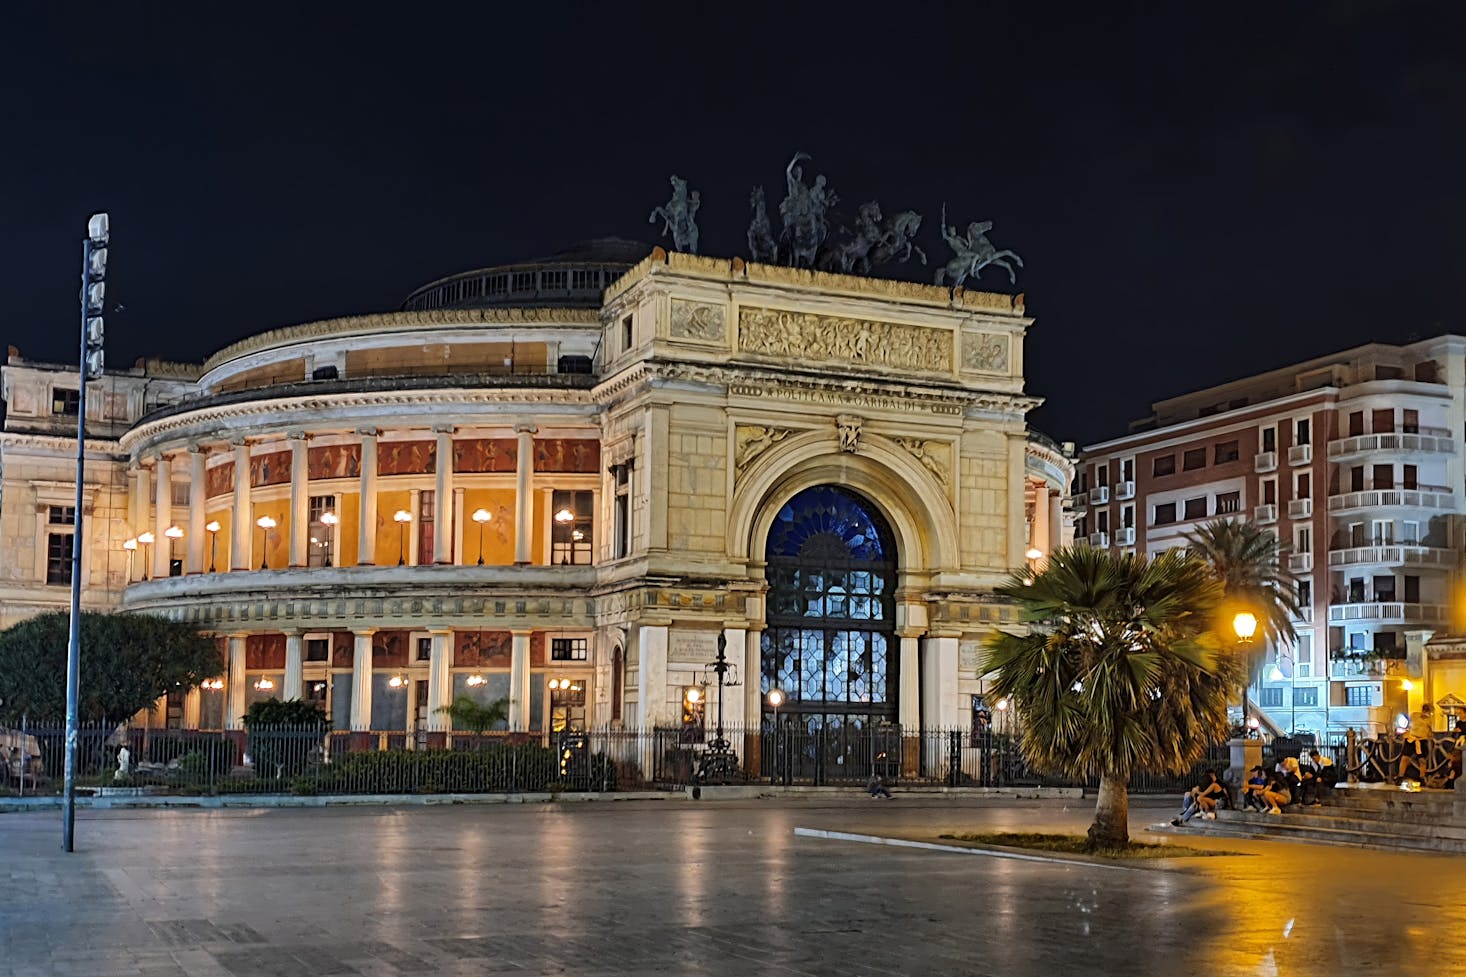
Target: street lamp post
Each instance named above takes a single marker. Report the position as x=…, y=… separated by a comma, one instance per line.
x=93, y=291
x=266, y=523
x=775, y=700
x=402, y=517
x=329, y=519
x=564, y=517
x=719, y=762
x=174, y=534
x=147, y=540
x=131, y=546
x=481, y=516
x=1245, y=625
x=213, y=528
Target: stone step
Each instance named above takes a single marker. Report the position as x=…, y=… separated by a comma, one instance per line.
x=1327, y=819
x=1279, y=828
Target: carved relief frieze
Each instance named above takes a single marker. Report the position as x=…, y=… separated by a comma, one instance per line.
x=698, y=321
x=984, y=352
x=934, y=456
x=752, y=440
x=807, y=336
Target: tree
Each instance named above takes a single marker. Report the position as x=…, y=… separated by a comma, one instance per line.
x=284, y=736
x=128, y=661
x=1118, y=671
x=1247, y=562
x=468, y=713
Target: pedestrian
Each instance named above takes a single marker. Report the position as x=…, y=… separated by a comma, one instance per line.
x=1418, y=737
x=877, y=787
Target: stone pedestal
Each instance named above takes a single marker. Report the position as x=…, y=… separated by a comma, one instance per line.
x=1246, y=754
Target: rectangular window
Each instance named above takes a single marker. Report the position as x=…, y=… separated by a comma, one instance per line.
x=584, y=279
x=1228, y=502
x=1384, y=476
x=1300, y=432
x=1102, y=521
x=322, y=531
x=65, y=401
x=1411, y=423
x=568, y=649
x=1269, y=439
x=1303, y=486
x=1384, y=589
x=317, y=649
x=1226, y=451
x=1127, y=516
x=1305, y=698
x=1356, y=478
x=1356, y=590
x=1384, y=642
x=1305, y=593
x=1356, y=423
x=61, y=515
x=553, y=281
x=1410, y=532
x=1163, y=465
x=1127, y=470
x=1305, y=540
x=1165, y=514
x=1382, y=421
x=626, y=334
x=573, y=515
x=1193, y=459
x=1357, y=536
x=1358, y=695
x=1270, y=698
x=524, y=281
x=1384, y=533
x=1194, y=508
x=1102, y=474
x=621, y=511
x=1270, y=491
x=1410, y=476
x=180, y=493
x=424, y=649
x=58, y=558
x=1412, y=589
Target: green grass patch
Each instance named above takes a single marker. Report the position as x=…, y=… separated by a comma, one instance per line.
x=1079, y=845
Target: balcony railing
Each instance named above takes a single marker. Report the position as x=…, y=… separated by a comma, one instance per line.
x=1300, y=508
x=1430, y=440
x=1392, y=555
x=1423, y=497
x=1124, y=490
x=1300, y=454
x=1267, y=461
x=1300, y=562
x=1099, y=495
x=1265, y=514
x=1365, y=667
x=1386, y=612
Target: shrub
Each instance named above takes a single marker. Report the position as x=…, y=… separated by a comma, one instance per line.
x=501, y=767
x=284, y=736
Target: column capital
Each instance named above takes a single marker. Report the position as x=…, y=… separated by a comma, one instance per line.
x=195, y=448
x=525, y=427
x=518, y=632
x=445, y=632
x=367, y=432
x=292, y=632
x=443, y=429
x=364, y=632
x=239, y=441
x=296, y=436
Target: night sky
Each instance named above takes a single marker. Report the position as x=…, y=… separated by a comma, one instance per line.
x=1198, y=191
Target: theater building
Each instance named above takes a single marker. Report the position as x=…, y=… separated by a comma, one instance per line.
x=561, y=483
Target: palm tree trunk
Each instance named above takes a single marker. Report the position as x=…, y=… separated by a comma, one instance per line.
x=1111, y=827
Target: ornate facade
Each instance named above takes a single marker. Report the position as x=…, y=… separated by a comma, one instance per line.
x=561, y=483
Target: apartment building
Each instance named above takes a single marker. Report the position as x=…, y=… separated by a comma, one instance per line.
x=1354, y=460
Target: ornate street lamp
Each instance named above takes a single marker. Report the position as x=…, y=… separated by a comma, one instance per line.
x=565, y=517
x=719, y=762
x=213, y=527
x=775, y=700
x=329, y=519
x=174, y=533
x=481, y=516
x=147, y=540
x=266, y=523
x=402, y=517
x=1245, y=625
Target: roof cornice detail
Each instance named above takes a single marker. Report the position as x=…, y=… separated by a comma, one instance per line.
x=58, y=442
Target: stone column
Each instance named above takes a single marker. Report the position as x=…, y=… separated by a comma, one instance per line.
x=1056, y=521
x=459, y=527
x=440, y=679
x=299, y=501
x=519, y=683
x=444, y=512
x=1040, y=534
x=908, y=708
x=196, y=532
x=361, y=680
x=523, y=502
x=1017, y=476
x=193, y=701
x=293, y=687
x=366, y=536
x=547, y=530
x=939, y=704
x=753, y=699
x=234, y=705
x=137, y=505
x=651, y=692
x=735, y=647
x=242, y=523
x=163, y=517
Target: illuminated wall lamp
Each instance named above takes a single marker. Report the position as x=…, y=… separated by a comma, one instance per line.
x=474, y=681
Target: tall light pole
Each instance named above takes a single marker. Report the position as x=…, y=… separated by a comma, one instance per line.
x=1245, y=624
x=266, y=523
x=93, y=290
x=329, y=519
x=147, y=540
x=213, y=528
x=481, y=516
x=174, y=534
x=402, y=517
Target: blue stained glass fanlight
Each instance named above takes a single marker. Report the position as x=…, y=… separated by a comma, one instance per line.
x=826, y=511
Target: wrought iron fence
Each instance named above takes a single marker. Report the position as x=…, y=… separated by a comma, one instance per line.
x=311, y=760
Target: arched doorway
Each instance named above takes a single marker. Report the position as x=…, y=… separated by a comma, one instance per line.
x=829, y=644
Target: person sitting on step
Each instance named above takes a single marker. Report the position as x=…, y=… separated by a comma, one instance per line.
x=1201, y=800
x=1252, y=790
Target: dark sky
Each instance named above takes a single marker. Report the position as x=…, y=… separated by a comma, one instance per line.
x=1198, y=191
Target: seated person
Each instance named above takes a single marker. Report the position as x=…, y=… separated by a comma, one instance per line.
x=1201, y=800
x=1282, y=788
x=1325, y=774
x=1252, y=790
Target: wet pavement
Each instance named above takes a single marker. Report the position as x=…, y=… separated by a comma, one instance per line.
x=678, y=887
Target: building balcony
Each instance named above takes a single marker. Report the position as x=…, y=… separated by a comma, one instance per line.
x=1265, y=514
x=1300, y=562
x=1387, y=612
x=1267, y=461
x=1423, y=497
x=1428, y=440
x=1125, y=536
x=1124, y=490
x=1099, y=540
x=1305, y=614
x=1357, y=668
x=1402, y=554
x=1099, y=495
x=1300, y=454
x=1300, y=508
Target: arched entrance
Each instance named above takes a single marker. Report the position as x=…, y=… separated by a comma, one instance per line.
x=829, y=643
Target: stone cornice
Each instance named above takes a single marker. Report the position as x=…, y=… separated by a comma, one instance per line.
x=737, y=271
x=332, y=404
x=58, y=442
x=393, y=321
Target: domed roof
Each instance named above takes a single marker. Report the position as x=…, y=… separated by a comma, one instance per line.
x=576, y=276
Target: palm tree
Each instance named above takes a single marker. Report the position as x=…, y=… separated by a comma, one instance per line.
x=1247, y=562
x=1117, y=672
x=468, y=713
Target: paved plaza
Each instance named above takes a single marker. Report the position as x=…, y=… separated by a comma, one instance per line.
x=682, y=887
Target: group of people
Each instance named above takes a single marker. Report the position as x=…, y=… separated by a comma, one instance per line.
x=1290, y=782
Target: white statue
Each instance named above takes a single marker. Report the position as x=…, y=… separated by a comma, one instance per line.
x=124, y=764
